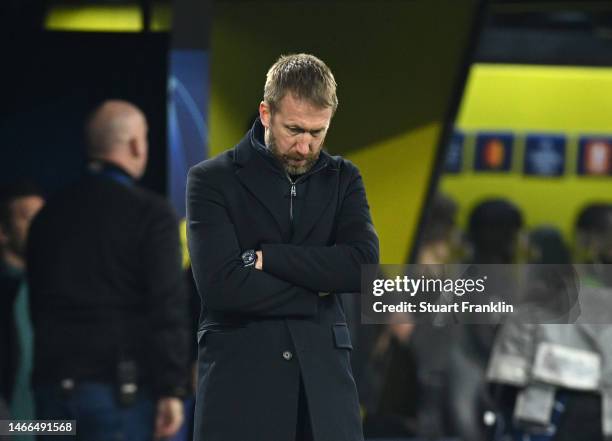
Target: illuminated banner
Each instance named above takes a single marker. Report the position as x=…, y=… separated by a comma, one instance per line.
x=493, y=152
x=454, y=154
x=187, y=116
x=188, y=93
x=544, y=155
x=595, y=156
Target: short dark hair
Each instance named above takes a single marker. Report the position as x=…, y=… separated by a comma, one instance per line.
x=593, y=223
x=15, y=190
x=495, y=213
x=594, y=218
x=493, y=226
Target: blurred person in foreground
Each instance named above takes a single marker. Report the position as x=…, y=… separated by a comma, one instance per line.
x=554, y=381
x=19, y=203
x=277, y=227
x=108, y=304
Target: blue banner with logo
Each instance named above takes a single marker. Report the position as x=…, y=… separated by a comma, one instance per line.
x=187, y=116
x=544, y=155
x=493, y=152
x=454, y=154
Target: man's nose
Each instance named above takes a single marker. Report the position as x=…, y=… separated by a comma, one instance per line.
x=303, y=144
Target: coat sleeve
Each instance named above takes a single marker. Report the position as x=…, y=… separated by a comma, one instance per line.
x=167, y=301
x=335, y=268
x=223, y=282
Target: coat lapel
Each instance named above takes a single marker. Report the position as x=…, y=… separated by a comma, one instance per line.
x=259, y=178
x=271, y=188
x=322, y=187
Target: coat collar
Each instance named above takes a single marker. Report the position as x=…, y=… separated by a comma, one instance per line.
x=252, y=144
x=111, y=171
x=262, y=175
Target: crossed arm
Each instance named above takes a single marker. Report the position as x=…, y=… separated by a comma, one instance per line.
x=334, y=268
x=292, y=275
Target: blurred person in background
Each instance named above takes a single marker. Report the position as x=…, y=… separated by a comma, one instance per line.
x=405, y=364
x=431, y=343
x=494, y=234
x=550, y=294
x=19, y=203
x=439, y=243
x=592, y=219
x=186, y=431
x=550, y=291
x=108, y=303
x=554, y=381
x=546, y=246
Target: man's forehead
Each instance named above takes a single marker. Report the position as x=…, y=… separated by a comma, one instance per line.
x=303, y=113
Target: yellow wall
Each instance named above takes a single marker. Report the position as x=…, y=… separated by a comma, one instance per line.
x=395, y=66
x=567, y=100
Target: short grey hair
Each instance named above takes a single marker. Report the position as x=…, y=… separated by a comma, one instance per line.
x=303, y=75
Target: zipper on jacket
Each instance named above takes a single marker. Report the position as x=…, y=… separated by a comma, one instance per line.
x=292, y=194
x=293, y=189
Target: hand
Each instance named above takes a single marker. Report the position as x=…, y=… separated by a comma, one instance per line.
x=259, y=263
x=169, y=417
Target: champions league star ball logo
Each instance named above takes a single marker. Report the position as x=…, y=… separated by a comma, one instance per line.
x=544, y=155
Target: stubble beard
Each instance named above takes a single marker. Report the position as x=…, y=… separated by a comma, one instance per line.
x=311, y=159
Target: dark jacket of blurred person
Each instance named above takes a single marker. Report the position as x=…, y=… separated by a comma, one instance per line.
x=402, y=367
x=494, y=229
x=108, y=302
x=19, y=203
x=10, y=281
x=278, y=227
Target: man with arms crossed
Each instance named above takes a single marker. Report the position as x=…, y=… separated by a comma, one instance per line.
x=276, y=227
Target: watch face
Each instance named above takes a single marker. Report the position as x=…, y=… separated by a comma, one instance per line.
x=248, y=257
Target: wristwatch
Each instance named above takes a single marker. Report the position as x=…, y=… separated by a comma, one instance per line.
x=249, y=258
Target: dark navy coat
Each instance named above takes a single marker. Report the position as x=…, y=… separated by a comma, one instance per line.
x=261, y=331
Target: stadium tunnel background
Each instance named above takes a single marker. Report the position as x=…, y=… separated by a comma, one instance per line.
x=519, y=67
x=397, y=103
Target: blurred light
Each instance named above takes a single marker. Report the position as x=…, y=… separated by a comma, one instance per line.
x=107, y=18
x=96, y=18
x=161, y=17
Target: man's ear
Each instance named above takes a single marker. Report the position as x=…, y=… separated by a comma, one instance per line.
x=264, y=114
x=134, y=148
